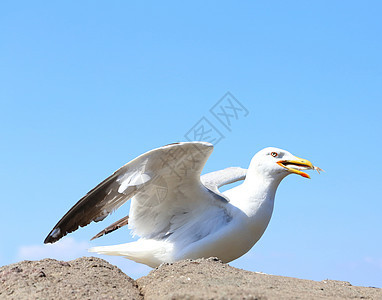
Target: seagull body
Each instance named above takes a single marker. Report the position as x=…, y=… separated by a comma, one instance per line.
x=179, y=214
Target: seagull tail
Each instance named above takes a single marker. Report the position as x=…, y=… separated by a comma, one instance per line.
x=148, y=252
x=108, y=250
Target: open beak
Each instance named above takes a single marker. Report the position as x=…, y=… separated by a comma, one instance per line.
x=296, y=165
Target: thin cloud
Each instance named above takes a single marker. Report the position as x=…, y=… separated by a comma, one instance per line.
x=66, y=249
x=69, y=249
x=376, y=262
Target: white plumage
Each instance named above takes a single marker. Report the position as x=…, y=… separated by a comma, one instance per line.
x=177, y=213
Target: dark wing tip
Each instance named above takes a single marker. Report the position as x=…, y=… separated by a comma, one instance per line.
x=54, y=236
x=91, y=207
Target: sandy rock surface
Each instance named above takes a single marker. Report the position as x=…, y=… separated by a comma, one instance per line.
x=211, y=279
x=83, y=278
x=94, y=278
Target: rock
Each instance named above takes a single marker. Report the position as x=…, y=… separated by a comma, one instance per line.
x=211, y=279
x=83, y=278
x=94, y=278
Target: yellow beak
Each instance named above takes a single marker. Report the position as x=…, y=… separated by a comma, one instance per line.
x=296, y=165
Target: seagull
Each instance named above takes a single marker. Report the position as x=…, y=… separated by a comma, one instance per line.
x=179, y=214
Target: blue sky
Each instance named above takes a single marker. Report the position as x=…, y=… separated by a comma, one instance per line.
x=86, y=87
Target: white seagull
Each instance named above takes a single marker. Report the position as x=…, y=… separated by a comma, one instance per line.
x=179, y=214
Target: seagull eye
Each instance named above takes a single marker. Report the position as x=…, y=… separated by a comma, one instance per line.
x=274, y=154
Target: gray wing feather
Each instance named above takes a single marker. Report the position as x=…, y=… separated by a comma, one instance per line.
x=116, y=225
x=214, y=180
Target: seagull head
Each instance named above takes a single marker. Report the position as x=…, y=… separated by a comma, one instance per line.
x=278, y=163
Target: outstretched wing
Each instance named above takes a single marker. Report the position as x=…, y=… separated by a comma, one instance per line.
x=217, y=179
x=166, y=176
x=213, y=181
